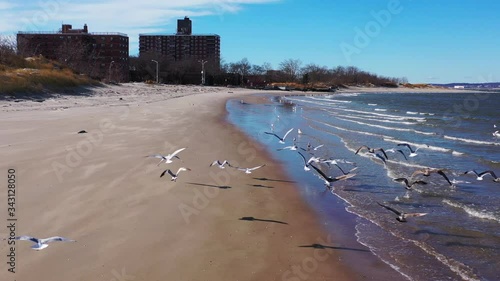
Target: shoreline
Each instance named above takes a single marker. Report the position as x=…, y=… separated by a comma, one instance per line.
x=127, y=220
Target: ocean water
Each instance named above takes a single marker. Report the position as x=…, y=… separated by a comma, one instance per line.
x=459, y=238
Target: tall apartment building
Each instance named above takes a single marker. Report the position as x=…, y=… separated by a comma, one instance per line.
x=101, y=55
x=183, y=45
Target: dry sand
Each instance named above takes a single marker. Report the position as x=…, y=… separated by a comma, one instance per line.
x=100, y=189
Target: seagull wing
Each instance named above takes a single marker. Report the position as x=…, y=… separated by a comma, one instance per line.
x=405, y=180
x=175, y=152
x=319, y=146
x=344, y=177
x=488, y=172
x=390, y=209
x=156, y=156
x=385, y=154
x=56, y=238
x=166, y=171
x=341, y=169
x=273, y=134
x=418, y=172
x=380, y=157
x=215, y=162
x=284, y=137
x=407, y=145
x=327, y=178
x=472, y=171
x=400, y=151
x=418, y=182
x=444, y=176
x=414, y=214
x=182, y=169
x=25, y=237
x=303, y=157
x=255, y=168
x=363, y=146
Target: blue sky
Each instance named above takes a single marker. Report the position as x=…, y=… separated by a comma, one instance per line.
x=427, y=41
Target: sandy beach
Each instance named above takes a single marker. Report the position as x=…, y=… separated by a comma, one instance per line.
x=99, y=189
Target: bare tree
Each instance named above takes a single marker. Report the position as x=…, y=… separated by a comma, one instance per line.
x=291, y=69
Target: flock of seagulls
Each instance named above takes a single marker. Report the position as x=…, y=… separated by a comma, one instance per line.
x=42, y=243
x=406, y=150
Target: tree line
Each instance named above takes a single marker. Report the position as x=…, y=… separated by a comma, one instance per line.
x=244, y=73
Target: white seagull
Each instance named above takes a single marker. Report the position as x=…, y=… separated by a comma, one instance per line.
x=174, y=176
x=282, y=140
x=167, y=158
x=481, y=175
x=402, y=215
x=249, y=170
x=41, y=244
x=221, y=165
x=413, y=153
x=496, y=134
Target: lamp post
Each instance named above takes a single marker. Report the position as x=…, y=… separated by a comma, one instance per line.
x=109, y=70
x=202, y=71
x=156, y=70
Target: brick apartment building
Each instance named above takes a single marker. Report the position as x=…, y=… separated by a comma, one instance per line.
x=183, y=45
x=101, y=55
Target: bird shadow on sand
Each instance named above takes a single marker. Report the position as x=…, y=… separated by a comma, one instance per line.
x=319, y=246
x=266, y=179
x=210, y=185
x=263, y=220
x=260, y=185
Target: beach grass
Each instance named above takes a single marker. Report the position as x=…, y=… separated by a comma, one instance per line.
x=39, y=75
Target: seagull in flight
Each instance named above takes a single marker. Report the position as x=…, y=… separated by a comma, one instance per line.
x=167, y=158
x=174, y=176
x=249, y=170
x=221, y=165
x=282, y=140
x=408, y=184
x=481, y=175
x=413, y=153
x=402, y=215
x=309, y=147
x=397, y=150
x=372, y=150
x=329, y=180
x=41, y=244
x=428, y=171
